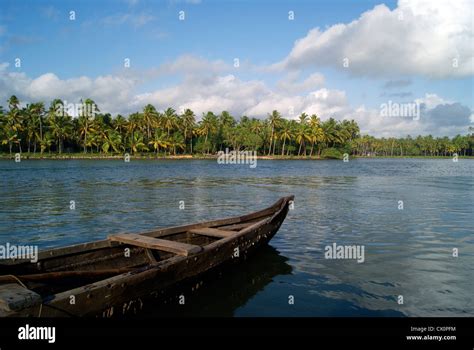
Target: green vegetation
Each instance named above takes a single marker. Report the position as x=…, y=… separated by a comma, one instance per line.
x=39, y=130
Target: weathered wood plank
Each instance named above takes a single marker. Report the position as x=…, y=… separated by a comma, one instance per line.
x=66, y=274
x=178, y=248
x=15, y=297
x=212, y=232
x=237, y=227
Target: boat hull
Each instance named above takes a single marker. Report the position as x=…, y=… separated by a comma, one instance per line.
x=114, y=294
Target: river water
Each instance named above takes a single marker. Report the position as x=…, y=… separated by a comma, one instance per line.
x=408, y=251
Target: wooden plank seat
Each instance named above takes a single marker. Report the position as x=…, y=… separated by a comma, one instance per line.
x=178, y=248
x=237, y=227
x=212, y=232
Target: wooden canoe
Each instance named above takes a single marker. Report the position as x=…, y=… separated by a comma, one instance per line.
x=86, y=279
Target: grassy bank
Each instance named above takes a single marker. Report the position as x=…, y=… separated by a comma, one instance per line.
x=97, y=156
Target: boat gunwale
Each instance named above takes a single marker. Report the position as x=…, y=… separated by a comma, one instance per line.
x=62, y=252
x=163, y=264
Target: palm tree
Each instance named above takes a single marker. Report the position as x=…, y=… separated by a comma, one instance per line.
x=119, y=123
x=177, y=141
x=274, y=119
x=10, y=137
x=225, y=123
x=14, y=123
x=316, y=133
x=46, y=142
x=168, y=120
x=330, y=132
x=226, y=119
x=351, y=128
x=85, y=128
x=160, y=140
x=133, y=124
x=208, y=126
x=86, y=117
x=111, y=139
x=28, y=127
x=149, y=117
x=316, y=136
x=258, y=128
x=314, y=121
x=285, y=134
x=136, y=143
x=2, y=122
x=13, y=102
x=303, y=132
x=303, y=118
x=37, y=111
x=188, y=121
x=61, y=128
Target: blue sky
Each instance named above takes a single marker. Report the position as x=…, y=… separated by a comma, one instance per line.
x=56, y=52
x=257, y=31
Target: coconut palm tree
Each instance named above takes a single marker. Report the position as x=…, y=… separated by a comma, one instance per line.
x=46, y=142
x=86, y=128
x=208, y=125
x=86, y=118
x=160, y=140
x=314, y=121
x=225, y=123
x=303, y=118
x=330, y=132
x=30, y=130
x=150, y=116
x=258, y=128
x=168, y=120
x=177, y=141
x=286, y=134
x=303, y=133
x=188, y=121
x=132, y=126
x=119, y=123
x=226, y=119
x=14, y=123
x=61, y=128
x=112, y=140
x=136, y=143
x=37, y=112
x=15, y=120
x=2, y=122
x=316, y=136
x=274, y=120
x=13, y=102
x=10, y=138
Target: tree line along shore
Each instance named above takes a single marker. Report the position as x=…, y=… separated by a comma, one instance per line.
x=37, y=131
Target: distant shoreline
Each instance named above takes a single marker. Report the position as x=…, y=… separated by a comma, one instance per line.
x=69, y=156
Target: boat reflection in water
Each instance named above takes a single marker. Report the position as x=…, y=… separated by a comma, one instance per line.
x=219, y=293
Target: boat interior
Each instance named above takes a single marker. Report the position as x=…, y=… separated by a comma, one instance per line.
x=62, y=269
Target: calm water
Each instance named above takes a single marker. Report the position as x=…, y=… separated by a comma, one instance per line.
x=407, y=252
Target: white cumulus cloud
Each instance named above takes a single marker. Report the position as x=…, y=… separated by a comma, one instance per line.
x=431, y=38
